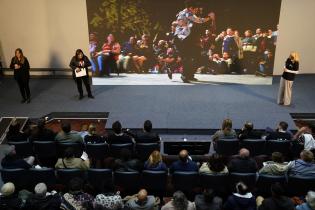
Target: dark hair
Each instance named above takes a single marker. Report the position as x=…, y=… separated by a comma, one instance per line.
x=66, y=127
x=22, y=55
x=180, y=201
x=117, y=127
x=14, y=128
x=191, y=3
x=147, y=125
x=41, y=124
x=216, y=163
x=69, y=152
x=241, y=188
x=249, y=126
x=208, y=195
x=277, y=157
x=76, y=184
x=283, y=125
x=77, y=52
x=277, y=190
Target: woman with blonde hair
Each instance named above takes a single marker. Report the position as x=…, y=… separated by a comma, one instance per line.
x=155, y=162
x=290, y=69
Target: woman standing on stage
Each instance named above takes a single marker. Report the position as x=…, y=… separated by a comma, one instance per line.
x=21, y=68
x=290, y=69
x=79, y=65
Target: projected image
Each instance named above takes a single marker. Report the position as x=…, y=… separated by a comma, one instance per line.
x=149, y=42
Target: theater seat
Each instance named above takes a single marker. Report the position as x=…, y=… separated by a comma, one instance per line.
x=22, y=148
x=144, y=150
x=154, y=181
x=97, y=151
x=217, y=182
x=20, y=178
x=65, y=175
x=248, y=178
x=45, y=149
x=282, y=146
x=61, y=147
x=227, y=147
x=115, y=149
x=100, y=178
x=299, y=185
x=255, y=146
x=185, y=181
x=45, y=175
x=129, y=182
x=265, y=181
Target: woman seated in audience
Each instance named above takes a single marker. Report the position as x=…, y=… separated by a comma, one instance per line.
x=208, y=200
x=8, y=198
x=310, y=202
x=118, y=136
x=70, y=161
x=126, y=162
x=214, y=165
x=14, y=133
x=155, y=162
x=11, y=159
x=108, y=199
x=226, y=132
x=242, y=199
x=276, y=166
x=92, y=137
x=179, y=202
x=76, y=198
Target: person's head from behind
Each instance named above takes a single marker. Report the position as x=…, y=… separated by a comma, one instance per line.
x=76, y=184
x=69, y=153
x=294, y=56
x=283, y=126
x=208, y=195
x=244, y=153
x=125, y=154
x=277, y=190
x=155, y=157
x=277, y=157
x=79, y=54
x=180, y=201
x=241, y=188
x=248, y=33
x=117, y=128
x=92, y=129
x=142, y=197
x=183, y=155
x=66, y=127
x=7, y=189
x=147, y=126
x=310, y=199
x=227, y=124
x=248, y=126
x=40, y=189
x=216, y=163
x=307, y=156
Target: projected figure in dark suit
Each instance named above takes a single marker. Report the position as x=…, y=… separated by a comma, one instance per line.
x=184, y=38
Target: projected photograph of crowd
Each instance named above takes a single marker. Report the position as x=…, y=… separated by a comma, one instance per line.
x=182, y=41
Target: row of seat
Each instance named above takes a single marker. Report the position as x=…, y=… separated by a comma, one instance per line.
x=155, y=181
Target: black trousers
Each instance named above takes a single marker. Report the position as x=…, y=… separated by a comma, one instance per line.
x=24, y=87
x=86, y=82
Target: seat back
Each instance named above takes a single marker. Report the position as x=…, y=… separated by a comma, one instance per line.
x=64, y=175
x=115, y=149
x=265, y=181
x=45, y=149
x=18, y=176
x=218, y=182
x=144, y=150
x=100, y=178
x=227, y=147
x=97, y=151
x=282, y=146
x=299, y=185
x=22, y=148
x=247, y=178
x=45, y=175
x=61, y=147
x=128, y=182
x=154, y=181
x=185, y=181
x=255, y=146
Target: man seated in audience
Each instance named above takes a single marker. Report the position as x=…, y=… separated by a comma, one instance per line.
x=277, y=201
x=184, y=163
x=310, y=202
x=118, y=136
x=8, y=198
x=70, y=161
x=41, y=133
x=280, y=133
x=147, y=136
x=76, y=198
x=243, y=163
x=15, y=133
x=304, y=166
x=127, y=163
x=208, y=200
x=43, y=199
x=66, y=135
x=242, y=199
x=142, y=201
x=92, y=137
x=276, y=166
x=248, y=132
x=11, y=160
x=179, y=201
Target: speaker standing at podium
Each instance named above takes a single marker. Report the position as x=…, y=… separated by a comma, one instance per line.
x=79, y=65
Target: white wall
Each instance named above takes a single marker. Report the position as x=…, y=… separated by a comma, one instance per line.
x=49, y=31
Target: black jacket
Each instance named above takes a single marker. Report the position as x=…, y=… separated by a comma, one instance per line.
x=147, y=137
x=50, y=202
x=243, y=165
x=23, y=72
x=74, y=63
x=11, y=202
x=281, y=203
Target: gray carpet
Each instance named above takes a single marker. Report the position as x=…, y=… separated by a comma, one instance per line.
x=198, y=106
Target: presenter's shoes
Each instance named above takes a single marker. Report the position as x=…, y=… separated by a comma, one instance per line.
x=185, y=80
x=193, y=79
x=91, y=96
x=23, y=101
x=81, y=97
x=169, y=73
x=28, y=100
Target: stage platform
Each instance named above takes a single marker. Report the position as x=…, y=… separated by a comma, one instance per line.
x=196, y=106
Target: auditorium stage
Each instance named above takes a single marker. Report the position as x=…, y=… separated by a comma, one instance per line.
x=182, y=106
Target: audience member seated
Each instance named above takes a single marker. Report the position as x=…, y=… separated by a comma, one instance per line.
x=310, y=202
x=278, y=200
x=11, y=160
x=304, y=166
x=9, y=199
x=92, y=137
x=14, y=133
x=43, y=199
x=147, y=136
x=184, y=163
x=108, y=199
x=226, y=132
x=179, y=201
x=215, y=165
x=155, y=162
x=126, y=162
x=76, y=198
x=248, y=132
x=280, y=133
x=307, y=140
x=70, y=161
x=276, y=166
x=40, y=133
x=67, y=135
x=208, y=200
x=142, y=201
x=118, y=136
x=241, y=200
x=243, y=163
x=84, y=131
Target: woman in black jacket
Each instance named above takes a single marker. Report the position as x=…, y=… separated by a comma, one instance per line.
x=79, y=65
x=21, y=68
